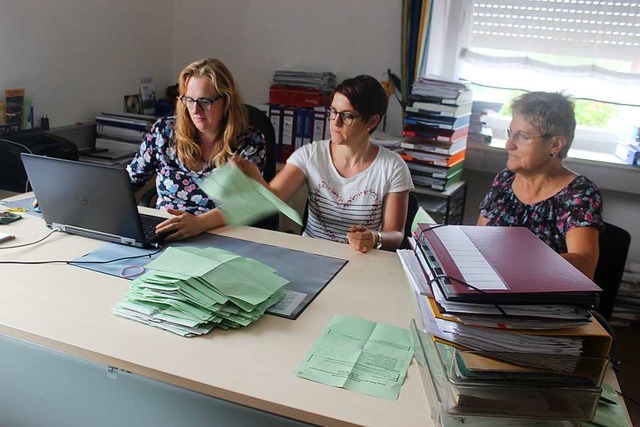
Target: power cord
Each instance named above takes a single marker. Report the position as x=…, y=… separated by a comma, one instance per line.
x=31, y=243
x=66, y=261
x=82, y=262
x=628, y=398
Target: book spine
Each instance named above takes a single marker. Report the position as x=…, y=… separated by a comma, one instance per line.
x=288, y=133
x=319, y=123
x=301, y=121
x=276, y=115
x=117, y=132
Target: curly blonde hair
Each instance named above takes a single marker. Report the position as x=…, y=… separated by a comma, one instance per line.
x=234, y=119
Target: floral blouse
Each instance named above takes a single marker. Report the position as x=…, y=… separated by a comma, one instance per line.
x=579, y=204
x=175, y=183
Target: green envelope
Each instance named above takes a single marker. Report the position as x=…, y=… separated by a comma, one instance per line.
x=243, y=201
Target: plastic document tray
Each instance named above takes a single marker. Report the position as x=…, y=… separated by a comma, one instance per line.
x=455, y=397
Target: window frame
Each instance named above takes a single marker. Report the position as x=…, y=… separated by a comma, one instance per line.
x=453, y=25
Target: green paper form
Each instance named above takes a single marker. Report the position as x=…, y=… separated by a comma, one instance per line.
x=359, y=355
x=243, y=200
x=189, y=291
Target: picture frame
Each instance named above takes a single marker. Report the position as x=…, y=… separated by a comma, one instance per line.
x=132, y=104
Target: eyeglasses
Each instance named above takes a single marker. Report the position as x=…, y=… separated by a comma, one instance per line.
x=345, y=117
x=204, y=103
x=522, y=138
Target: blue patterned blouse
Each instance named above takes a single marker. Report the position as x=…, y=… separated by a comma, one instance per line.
x=175, y=183
x=579, y=204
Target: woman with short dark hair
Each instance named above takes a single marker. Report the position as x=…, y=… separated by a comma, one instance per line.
x=358, y=191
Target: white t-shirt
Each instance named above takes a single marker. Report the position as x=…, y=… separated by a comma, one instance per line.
x=336, y=203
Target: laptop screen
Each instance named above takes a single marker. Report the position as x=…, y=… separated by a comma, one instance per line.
x=86, y=199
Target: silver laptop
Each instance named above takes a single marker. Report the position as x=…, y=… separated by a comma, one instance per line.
x=89, y=200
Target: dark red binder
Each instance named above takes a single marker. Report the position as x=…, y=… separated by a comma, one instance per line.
x=531, y=270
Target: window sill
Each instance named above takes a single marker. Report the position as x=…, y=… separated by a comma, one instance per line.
x=606, y=170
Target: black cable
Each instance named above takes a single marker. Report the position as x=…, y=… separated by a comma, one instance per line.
x=81, y=262
x=68, y=262
x=115, y=259
x=628, y=398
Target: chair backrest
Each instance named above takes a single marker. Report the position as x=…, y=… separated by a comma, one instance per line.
x=614, y=247
x=259, y=120
x=412, y=209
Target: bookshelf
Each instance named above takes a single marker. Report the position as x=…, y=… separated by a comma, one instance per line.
x=445, y=207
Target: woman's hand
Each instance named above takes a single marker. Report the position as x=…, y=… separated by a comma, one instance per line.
x=247, y=167
x=361, y=238
x=182, y=226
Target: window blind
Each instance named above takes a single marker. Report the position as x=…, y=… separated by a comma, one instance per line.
x=586, y=47
x=602, y=29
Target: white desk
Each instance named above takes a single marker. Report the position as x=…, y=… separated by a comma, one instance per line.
x=67, y=309
x=59, y=338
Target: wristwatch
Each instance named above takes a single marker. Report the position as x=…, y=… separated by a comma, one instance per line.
x=379, y=242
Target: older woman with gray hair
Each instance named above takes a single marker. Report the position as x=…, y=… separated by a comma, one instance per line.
x=537, y=191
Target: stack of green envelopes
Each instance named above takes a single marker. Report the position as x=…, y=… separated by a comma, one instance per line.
x=190, y=291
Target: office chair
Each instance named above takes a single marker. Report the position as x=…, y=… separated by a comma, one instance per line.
x=412, y=209
x=259, y=120
x=614, y=246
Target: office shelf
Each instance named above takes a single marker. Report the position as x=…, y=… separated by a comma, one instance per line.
x=446, y=207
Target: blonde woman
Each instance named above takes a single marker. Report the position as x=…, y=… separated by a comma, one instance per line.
x=210, y=125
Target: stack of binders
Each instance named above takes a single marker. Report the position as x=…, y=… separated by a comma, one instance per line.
x=505, y=328
x=626, y=311
x=118, y=137
x=297, y=108
x=436, y=127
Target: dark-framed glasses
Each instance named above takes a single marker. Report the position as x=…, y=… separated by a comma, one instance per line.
x=521, y=138
x=204, y=103
x=345, y=117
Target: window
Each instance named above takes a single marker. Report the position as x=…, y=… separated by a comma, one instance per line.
x=588, y=49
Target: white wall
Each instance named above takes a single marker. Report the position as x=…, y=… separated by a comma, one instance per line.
x=76, y=58
x=254, y=37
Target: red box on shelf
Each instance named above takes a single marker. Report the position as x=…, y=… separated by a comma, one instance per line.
x=298, y=97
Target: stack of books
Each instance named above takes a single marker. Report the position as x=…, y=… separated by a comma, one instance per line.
x=479, y=132
x=436, y=127
x=118, y=137
x=297, y=108
x=190, y=291
x=504, y=326
x=323, y=81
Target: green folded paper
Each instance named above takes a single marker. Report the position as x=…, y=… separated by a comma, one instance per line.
x=243, y=200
